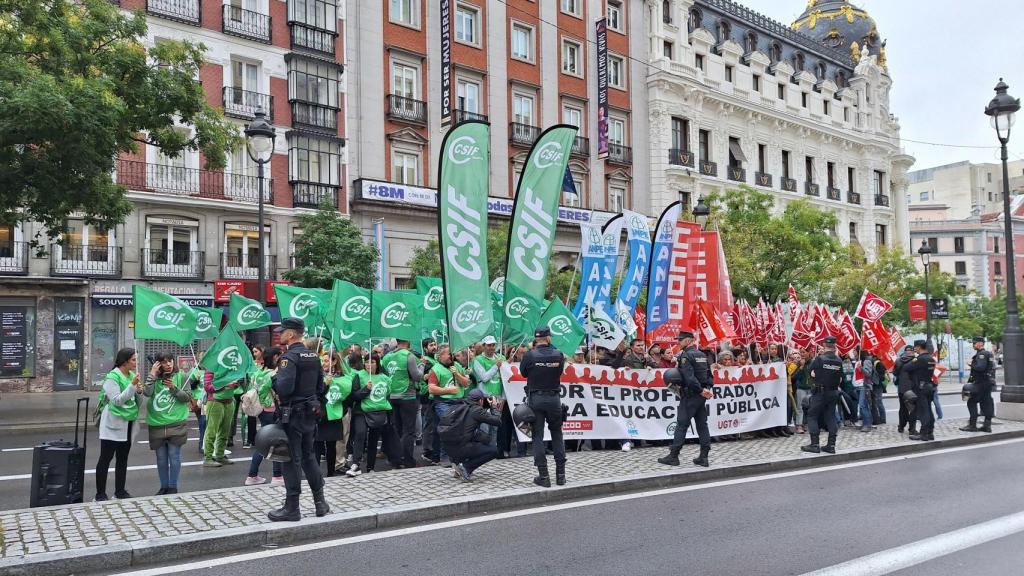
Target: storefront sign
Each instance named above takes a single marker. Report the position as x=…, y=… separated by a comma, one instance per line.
x=420, y=196
x=917, y=310
x=13, y=339
x=125, y=300
x=223, y=289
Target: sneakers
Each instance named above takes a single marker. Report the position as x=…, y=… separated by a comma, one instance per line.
x=457, y=470
x=254, y=480
x=211, y=463
x=627, y=446
x=865, y=428
x=224, y=460
x=277, y=481
x=101, y=497
x=246, y=445
x=353, y=471
x=461, y=473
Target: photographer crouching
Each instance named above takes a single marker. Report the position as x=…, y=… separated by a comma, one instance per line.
x=468, y=446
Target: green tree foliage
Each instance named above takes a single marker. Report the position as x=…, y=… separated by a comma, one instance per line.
x=974, y=315
x=331, y=247
x=77, y=87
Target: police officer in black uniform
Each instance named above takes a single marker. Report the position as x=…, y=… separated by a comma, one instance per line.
x=827, y=373
x=299, y=384
x=694, y=394
x=922, y=367
x=980, y=384
x=543, y=366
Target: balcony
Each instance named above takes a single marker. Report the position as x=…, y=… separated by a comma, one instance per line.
x=315, y=116
x=763, y=179
x=736, y=174
x=461, y=116
x=237, y=266
x=247, y=24
x=881, y=200
x=312, y=39
x=522, y=134
x=580, y=147
x=89, y=261
x=243, y=104
x=679, y=157
x=811, y=189
x=173, y=264
x=708, y=168
x=311, y=195
x=619, y=154
x=406, y=109
x=853, y=197
x=191, y=182
x=833, y=193
x=788, y=184
x=14, y=258
x=186, y=11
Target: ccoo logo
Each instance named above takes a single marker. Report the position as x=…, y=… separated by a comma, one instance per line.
x=463, y=150
x=166, y=316
x=560, y=325
x=467, y=315
x=301, y=306
x=548, y=155
x=516, y=307
x=394, y=315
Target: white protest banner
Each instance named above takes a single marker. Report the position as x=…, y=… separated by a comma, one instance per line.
x=606, y=403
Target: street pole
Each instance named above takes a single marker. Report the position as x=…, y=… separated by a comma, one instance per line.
x=927, y=309
x=1013, y=339
x=262, y=265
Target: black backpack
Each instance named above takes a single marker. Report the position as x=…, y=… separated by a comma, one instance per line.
x=452, y=428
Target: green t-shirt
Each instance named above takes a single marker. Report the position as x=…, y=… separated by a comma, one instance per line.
x=338, y=390
x=163, y=408
x=445, y=379
x=493, y=386
x=130, y=410
x=223, y=393
x=263, y=382
x=380, y=388
x=395, y=365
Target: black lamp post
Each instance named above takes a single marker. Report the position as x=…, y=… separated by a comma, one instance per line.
x=926, y=258
x=260, y=137
x=1001, y=110
x=701, y=212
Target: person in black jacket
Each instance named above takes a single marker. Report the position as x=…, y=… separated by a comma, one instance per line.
x=904, y=383
x=543, y=366
x=476, y=450
x=922, y=368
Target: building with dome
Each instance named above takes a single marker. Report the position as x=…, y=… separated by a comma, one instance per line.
x=801, y=111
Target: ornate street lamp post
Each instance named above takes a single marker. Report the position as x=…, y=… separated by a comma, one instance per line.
x=926, y=258
x=260, y=137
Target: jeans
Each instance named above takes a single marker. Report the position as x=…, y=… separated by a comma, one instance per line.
x=801, y=418
x=864, y=405
x=257, y=458
x=877, y=405
x=168, y=464
x=548, y=410
x=202, y=429
x=474, y=455
x=440, y=409
x=218, y=424
x=938, y=407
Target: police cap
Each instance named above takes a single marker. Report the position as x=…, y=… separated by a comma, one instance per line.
x=978, y=339
x=684, y=334
x=542, y=331
x=829, y=340
x=292, y=324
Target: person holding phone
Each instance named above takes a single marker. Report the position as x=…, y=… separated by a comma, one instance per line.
x=167, y=408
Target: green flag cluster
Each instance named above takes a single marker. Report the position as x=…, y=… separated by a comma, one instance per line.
x=160, y=316
x=207, y=322
x=433, y=319
x=246, y=314
x=566, y=332
x=228, y=358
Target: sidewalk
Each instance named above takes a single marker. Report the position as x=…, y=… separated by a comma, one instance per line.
x=117, y=535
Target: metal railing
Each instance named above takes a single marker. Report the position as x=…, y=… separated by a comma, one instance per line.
x=736, y=174
x=244, y=103
x=184, y=264
x=247, y=24
x=312, y=39
x=811, y=189
x=788, y=184
x=312, y=195
x=187, y=11
x=853, y=197
x=619, y=154
x=580, y=147
x=763, y=179
x=79, y=260
x=522, y=134
x=465, y=115
x=181, y=181
x=834, y=193
x=881, y=200
x=708, y=168
x=314, y=115
x=680, y=157
x=407, y=109
x=237, y=266
x=14, y=258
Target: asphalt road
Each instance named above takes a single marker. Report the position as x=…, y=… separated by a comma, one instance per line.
x=16, y=462
x=790, y=523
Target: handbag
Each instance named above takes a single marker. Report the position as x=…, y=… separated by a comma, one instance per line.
x=251, y=404
x=375, y=420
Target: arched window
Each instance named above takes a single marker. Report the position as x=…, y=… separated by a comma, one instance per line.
x=724, y=31
x=666, y=11
x=750, y=42
x=840, y=79
x=798, y=62
x=775, y=53
x=695, y=19
x=819, y=71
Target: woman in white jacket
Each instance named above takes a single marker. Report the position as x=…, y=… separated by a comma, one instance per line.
x=119, y=411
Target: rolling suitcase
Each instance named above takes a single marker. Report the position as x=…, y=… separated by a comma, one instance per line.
x=58, y=468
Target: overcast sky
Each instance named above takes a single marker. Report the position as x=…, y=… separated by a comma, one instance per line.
x=944, y=56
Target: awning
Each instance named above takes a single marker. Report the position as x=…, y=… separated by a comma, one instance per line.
x=737, y=152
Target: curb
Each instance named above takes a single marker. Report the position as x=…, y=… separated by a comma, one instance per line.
x=134, y=555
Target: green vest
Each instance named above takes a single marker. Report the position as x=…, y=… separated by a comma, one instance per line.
x=493, y=386
x=261, y=379
x=339, y=389
x=130, y=410
x=422, y=388
x=395, y=364
x=162, y=408
x=445, y=379
x=378, y=398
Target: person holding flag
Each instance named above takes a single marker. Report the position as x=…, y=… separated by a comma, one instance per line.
x=695, y=391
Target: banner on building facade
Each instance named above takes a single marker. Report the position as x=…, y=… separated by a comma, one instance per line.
x=380, y=268
x=446, y=62
x=606, y=403
x=661, y=260
x=602, y=88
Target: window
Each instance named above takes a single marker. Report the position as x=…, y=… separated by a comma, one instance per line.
x=571, y=7
x=851, y=179
x=853, y=231
x=809, y=169
x=819, y=71
x=87, y=243
x=680, y=134
x=314, y=160
x=321, y=14
x=762, y=156
x=988, y=177
x=467, y=24
x=616, y=20
x=522, y=42
x=686, y=199
x=775, y=53
x=616, y=198
x=728, y=73
x=572, y=116
x=405, y=80
x=666, y=49
x=960, y=268
x=782, y=91
x=522, y=109
x=933, y=243
x=999, y=268
x=694, y=19
x=785, y=164
x=405, y=12
x=704, y=145
x=314, y=82
x=825, y=107
x=724, y=29
x=830, y=168
x=171, y=243
x=617, y=131
x=616, y=71
x=798, y=62
x=577, y=200
x=698, y=60
x=245, y=76
x=803, y=99
x=846, y=114
x=749, y=42
x=879, y=182
x=241, y=245
x=468, y=96
x=736, y=157
x=880, y=235
x=666, y=11
x=995, y=245
x=958, y=244
x=571, y=58
x=7, y=234
x=756, y=83
x=405, y=168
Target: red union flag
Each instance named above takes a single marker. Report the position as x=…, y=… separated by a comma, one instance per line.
x=848, y=338
x=871, y=307
x=875, y=338
x=896, y=341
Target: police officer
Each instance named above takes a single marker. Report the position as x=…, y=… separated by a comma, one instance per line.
x=827, y=374
x=982, y=380
x=922, y=367
x=299, y=384
x=694, y=394
x=543, y=366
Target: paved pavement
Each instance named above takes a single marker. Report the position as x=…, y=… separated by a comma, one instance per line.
x=152, y=529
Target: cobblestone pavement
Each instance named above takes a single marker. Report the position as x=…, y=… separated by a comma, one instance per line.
x=34, y=531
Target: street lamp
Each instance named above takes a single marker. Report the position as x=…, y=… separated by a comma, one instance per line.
x=260, y=137
x=701, y=212
x=1001, y=110
x=926, y=258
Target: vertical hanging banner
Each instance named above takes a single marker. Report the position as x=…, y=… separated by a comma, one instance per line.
x=446, y=62
x=639, y=242
x=592, y=269
x=602, y=88
x=462, y=232
x=661, y=260
x=536, y=210
x=611, y=237
x=380, y=268
x=684, y=247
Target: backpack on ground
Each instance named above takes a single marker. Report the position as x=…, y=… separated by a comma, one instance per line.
x=452, y=427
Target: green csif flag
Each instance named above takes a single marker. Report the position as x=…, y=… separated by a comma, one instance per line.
x=462, y=232
x=521, y=314
x=349, y=313
x=566, y=332
x=433, y=322
x=207, y=322
x=308, y=304
x=160, y=316
x=535, y=214
x=246, y=314
x=395, y=315
x=228, y=358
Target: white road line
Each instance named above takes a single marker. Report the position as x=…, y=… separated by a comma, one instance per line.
x=253, y=556
x=147, y=441
x=18, y=449
x=130, y=468
x=893, y=559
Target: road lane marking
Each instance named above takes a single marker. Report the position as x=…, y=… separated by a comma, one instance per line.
x=900, y=557
x=264, y=554
x=18, y=449
x=130, y=469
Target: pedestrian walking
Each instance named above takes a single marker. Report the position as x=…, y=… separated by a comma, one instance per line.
x=167, y=407
x=543, y=366
x=262, y=381
x=979, y=388
x=922, y=369
x=826, y=372
x=695, y=389
x=118, y=412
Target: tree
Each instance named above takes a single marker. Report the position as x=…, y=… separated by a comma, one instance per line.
x=975, y=315
x=332, y=247
x=77, y=88
x=767, y=252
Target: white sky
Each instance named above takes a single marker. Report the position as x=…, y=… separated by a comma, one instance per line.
x=945, y=57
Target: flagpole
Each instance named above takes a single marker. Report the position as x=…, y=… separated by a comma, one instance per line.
x=573, y=279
